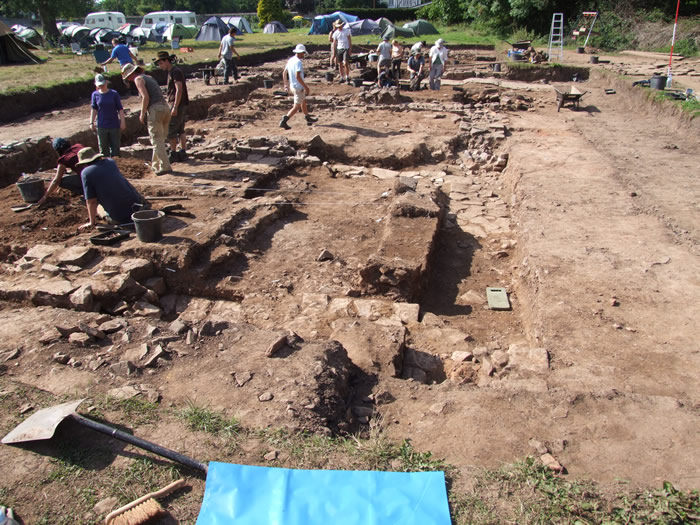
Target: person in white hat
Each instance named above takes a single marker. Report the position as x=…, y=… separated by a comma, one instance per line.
x=154, y=107
x=293, y=77
x=438, y=63
x=105, y=186
x=342, y=39
x=107, y=117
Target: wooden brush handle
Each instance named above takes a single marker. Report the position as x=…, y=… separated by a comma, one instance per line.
x=162, y=492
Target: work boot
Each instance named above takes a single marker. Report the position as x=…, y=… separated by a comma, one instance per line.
x=173, y=157
x=283, y=123
x=182, y=155
x=310, y=120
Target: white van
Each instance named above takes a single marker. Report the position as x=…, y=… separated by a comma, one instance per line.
x=108, y=19
x=187, y=18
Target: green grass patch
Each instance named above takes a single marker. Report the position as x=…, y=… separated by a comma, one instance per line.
x=136, y=410
x=203, y=419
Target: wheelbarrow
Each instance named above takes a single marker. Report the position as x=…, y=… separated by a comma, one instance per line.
x=571, y=94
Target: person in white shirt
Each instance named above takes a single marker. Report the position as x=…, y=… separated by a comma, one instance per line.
x=438, y=63
x=384, y=51
x=226, y=51
x=293, y=77
x=342, y=40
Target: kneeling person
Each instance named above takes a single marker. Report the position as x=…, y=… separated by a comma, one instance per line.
x=105, y=186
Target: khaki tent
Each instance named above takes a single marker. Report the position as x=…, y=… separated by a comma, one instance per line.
x=13, y=50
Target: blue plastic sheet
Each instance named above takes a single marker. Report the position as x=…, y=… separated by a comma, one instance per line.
x=247, y=495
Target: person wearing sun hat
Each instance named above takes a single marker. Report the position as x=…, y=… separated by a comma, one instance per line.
x=293, y=77
x=107, y=117
x=67, y=160
x=154, y=113
x=342, y=38
x=438, y=63
x=178, y=100
x=105, y=186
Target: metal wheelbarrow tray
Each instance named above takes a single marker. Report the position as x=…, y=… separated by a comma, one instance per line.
x=569, y=94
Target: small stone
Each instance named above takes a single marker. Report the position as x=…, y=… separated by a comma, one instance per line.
x=146, y=309
x=538, y=446
x=104, y=506
x=271, y=456
x=91, y=331
x=558, y=445
x=325, y=255
x=438, y=408
x=123, y=368
x=67, y=330
x=10, y=354
x=500, y=358
x=178, y=327
x=158, y=353
x=462, y=355
x=75, y=363
x=190, y=338
x=276, y=345
x=120, y=308
x=124, y=392
x=266, y=396
x=79, y=339
x=24, y=409
x=242, y=378
x=112, y=326
x=61, y=358
x=82, y=299
x=551, y=463
x=77, y=255
x=96, y=363
x=614, y=301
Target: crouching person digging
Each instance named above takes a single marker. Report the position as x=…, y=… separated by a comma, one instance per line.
x=293, y=77
x=105, y=187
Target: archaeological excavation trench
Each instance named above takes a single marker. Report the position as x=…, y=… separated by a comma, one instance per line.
x=308, y=272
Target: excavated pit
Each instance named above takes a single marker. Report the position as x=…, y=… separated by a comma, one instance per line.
x=333, y=258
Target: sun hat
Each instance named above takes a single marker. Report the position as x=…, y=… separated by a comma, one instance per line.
x=128, y=70
x=439, y=42
x=86, y=156
x=164, y=55
x=339, y=23
x=60, y=145
x=100, y=80
x=301, y=48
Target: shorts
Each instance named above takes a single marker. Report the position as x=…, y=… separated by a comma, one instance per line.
x=299, y=95
x=342, y=55
x=384, y=62
x=177, y=123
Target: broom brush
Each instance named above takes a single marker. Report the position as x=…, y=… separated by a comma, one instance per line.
x=143, y=509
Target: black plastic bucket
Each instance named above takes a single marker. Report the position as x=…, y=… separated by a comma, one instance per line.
x=357, y=82
x=594, y=59
x=581, y=50
x=497, y=68
x=31, y=189
x=268, y=83
x=149, y=225
x=329, y=76
x=658, y=81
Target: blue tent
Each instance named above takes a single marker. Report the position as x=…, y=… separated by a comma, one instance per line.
x=214, y=29
x=323, y=24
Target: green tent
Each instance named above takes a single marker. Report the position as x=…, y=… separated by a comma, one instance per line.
x=383, y=23
x=397, y=32
x=421, y=27
x=13, y=50
x=180, y=31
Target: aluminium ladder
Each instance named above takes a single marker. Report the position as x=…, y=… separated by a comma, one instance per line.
x=556, y=39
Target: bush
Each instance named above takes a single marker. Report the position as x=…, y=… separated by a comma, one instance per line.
x=269, y=10
x=686, y=47
x=613, y=33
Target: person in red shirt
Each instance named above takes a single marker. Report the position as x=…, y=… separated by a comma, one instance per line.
x=67, y=160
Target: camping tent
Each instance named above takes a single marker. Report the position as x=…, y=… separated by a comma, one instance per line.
x=76, y=33
x=104, y=35
x=13, y=50
x=323, y=24
x=397, y=32
x=28, y=34
x=383, y=23
x=126, y=29
x=364, y=27
x=239, y=23
x=155, y=33
x=421, y=27
x=179, y=31
x=214, y=29
x=275, y=27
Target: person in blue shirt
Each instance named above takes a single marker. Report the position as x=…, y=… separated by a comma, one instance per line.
x=105, y=186
x=107, y=117
x=122, y=53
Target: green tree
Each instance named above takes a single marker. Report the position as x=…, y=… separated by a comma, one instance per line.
x=269, y=10
x=48, y=10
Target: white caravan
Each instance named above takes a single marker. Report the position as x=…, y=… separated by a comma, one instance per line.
x=186, y=18
x=107, y=19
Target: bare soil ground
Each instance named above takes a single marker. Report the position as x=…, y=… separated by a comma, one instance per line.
x=333, y=279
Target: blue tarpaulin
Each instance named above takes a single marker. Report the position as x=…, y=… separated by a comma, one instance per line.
x=247, y=495
x=323, y=24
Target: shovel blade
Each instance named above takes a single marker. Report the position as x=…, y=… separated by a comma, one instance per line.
x=41, y=425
